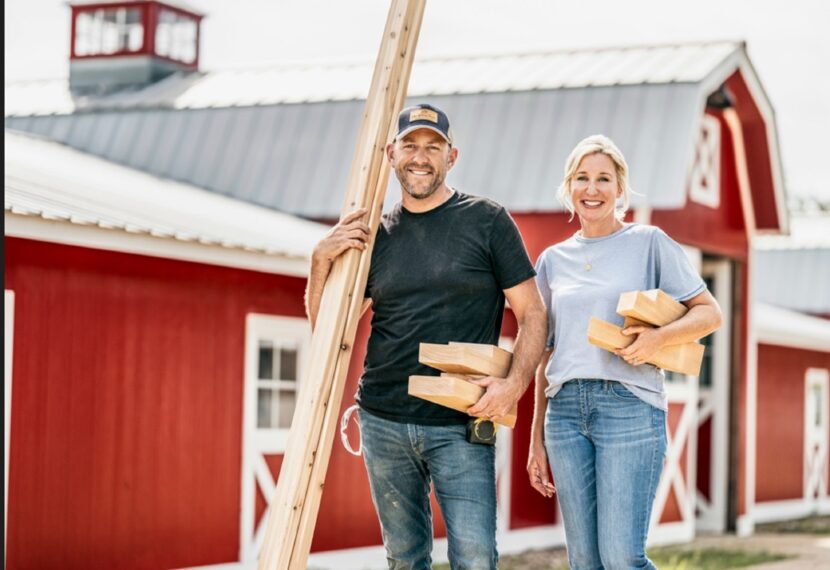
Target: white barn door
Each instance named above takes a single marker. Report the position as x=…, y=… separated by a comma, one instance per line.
x=816, y=433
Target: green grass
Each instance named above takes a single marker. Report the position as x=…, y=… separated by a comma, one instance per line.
x=708, y=559
x=671, y=558
x=811, y=525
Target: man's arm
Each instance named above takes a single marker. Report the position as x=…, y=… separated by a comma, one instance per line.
x=503, y=393
x=349, y=233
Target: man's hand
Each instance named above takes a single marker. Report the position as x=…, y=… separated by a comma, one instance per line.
x=537, y=470
x=349, y=233
x=649, y=341
x=499, y=398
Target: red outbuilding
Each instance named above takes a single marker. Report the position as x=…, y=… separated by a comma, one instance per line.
x=149, y=431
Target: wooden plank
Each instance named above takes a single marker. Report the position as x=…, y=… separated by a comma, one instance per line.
x=452, y=391
x=683, y=358
x=294, y=508
x=654, y=307
x=466, y=358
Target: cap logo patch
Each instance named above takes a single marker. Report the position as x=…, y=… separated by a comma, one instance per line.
x=423, y=115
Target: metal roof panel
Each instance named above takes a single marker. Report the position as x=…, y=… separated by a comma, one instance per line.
x=86, y=190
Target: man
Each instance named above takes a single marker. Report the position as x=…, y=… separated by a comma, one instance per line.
x=442, y=265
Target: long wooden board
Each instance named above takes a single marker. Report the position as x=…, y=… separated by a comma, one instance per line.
x=654, y=307
x=466, y=358
x=683, y=358
x=293, y=510
x=452, y=391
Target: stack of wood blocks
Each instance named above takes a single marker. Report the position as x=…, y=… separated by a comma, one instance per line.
x=460, y=362
x=652, y=308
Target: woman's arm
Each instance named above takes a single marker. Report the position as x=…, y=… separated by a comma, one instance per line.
x=703, y=318
x=537, y=460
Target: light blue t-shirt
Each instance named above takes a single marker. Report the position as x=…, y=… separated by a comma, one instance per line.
x=636, y=257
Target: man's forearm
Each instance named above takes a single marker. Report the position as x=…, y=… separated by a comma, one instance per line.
x=317, y=276
x=530, y=342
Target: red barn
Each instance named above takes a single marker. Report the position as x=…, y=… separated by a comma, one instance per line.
x=144, y=313
x=791, y=419
x=699, y=134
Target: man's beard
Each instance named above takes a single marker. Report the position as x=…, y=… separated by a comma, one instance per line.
x=437, y=180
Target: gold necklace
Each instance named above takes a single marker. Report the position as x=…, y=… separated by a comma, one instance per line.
x=588, y=260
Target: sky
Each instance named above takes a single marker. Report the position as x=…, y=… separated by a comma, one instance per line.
x=788, y=43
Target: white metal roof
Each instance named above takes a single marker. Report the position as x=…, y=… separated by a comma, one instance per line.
x=50, y=182
x=774, y=325
x=346, y=81
x=281, y=137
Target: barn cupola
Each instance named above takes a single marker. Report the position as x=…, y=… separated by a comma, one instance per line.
x=118, y=45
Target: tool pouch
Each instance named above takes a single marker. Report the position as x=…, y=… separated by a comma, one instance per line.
x=482, y=431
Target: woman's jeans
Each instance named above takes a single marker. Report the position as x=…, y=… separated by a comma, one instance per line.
x=401, y=459
x=606, y=449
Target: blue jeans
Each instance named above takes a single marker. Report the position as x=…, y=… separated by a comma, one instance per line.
x=606, y=449
x=401, y=460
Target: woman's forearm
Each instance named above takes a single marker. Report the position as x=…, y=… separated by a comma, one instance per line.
x=700, y=321
x=540, y=401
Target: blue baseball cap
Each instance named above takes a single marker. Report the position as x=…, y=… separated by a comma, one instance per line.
x=424, y=116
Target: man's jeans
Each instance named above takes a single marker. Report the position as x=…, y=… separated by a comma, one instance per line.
x=401, y=459
x=606, y=449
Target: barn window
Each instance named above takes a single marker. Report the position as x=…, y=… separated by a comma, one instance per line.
x=276, y=382
x=276, y=347
x=107, y=31
x=176, y=36
x=276, y=352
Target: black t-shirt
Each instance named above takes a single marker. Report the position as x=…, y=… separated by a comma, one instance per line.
x=435, y=277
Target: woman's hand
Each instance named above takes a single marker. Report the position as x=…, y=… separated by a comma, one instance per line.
x=649, y=340
x=537, y=470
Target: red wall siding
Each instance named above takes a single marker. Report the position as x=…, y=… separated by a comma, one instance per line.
x=780, y=440
x=542, y=230
x=126, y=430
x=347, y=516
x=759, y=165
x=720, y=231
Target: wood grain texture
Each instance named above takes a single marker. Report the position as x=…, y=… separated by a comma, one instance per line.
x=654, y=307
x=683, y=358
x=466, y=358
x=454, y=392
x=296, y=500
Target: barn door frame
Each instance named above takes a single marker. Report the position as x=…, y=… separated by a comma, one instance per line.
x=714, y=403
x=8, y=310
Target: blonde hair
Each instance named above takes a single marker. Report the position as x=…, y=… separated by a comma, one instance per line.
x=596, y=144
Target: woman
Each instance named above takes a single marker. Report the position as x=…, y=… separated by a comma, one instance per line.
x=604, y=430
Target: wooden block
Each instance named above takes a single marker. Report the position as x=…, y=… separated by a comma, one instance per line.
x=466, y=358
x=452, y=391
x=683, y=358
x=632, y=322
x=653, y=307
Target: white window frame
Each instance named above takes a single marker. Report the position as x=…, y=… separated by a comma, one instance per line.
x=706, y=165
x=258, y=442
x=8, y=310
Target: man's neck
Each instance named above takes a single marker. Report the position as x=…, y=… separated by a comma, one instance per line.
x=437, y=198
